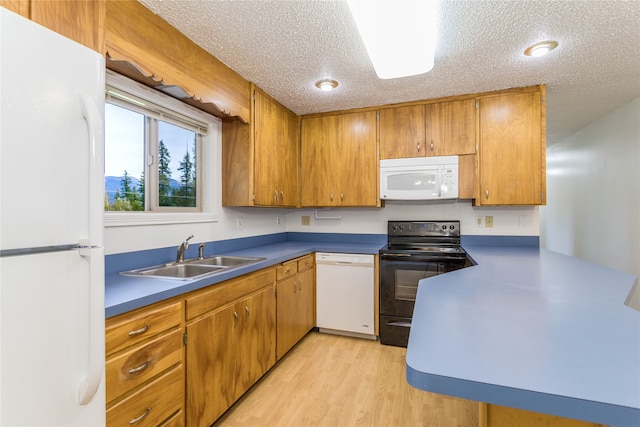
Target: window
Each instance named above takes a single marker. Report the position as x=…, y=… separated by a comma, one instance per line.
x=159, y=157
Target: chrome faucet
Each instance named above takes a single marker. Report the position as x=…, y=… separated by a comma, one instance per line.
x=183, y=246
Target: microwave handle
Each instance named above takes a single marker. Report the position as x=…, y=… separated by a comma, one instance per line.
x=439, y=182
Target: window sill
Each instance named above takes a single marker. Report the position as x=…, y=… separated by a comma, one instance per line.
x=119, y=219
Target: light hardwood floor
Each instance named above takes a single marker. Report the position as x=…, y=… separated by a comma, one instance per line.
x=335, y=381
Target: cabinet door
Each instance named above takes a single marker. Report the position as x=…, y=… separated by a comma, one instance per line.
x=79, y=20
x=451, y=128
x=290, y=158
x=287, y=309
x=306, y=291
x=276, y=153
x=269, y=151
x=318, y=171
x=257, y=344
x=356, y=160
x=402, y=132
x=512, y=156
x=212, y=349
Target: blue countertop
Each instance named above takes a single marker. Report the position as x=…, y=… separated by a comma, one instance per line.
x=123, y=293
x=531, y=329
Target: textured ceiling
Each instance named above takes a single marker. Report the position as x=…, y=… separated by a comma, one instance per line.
x=286, y=46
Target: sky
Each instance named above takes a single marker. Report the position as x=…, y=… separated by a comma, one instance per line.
x=124, y=148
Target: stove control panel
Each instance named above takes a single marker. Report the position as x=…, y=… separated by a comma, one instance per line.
x=423, y=228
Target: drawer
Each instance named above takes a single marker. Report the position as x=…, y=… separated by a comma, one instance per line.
x=287, y=269
x=152, y=404
x=228, y=291
x=175, y=421
x=131, y=328
x=305, y=263
x=142, y=363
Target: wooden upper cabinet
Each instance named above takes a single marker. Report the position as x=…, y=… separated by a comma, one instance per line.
x=318, y=170
x=436, y=129
x=512, y=149
x=402, y=132
x=276, y=153
x=260, y=160
x=20, y=7
x=79, y=20
x=339, y=165
x=144, y=47
x=451, y=128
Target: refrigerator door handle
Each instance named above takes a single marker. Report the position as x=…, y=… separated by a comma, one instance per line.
x=95, y=126
x=93, y=250
x=90, y=382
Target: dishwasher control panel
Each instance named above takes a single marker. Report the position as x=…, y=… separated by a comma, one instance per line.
x=347, y=259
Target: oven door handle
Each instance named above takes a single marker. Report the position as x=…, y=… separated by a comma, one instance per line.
x=402, y=324
x=388, y=256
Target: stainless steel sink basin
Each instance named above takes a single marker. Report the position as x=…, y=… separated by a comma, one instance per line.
x=225, y=261
x=193, y=268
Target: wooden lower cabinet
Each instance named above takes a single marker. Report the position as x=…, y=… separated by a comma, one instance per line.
x=144, y=370
x=295, y=305
x=151, y=405
x=228, y=350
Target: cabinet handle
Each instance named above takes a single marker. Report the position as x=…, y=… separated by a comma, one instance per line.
x=431, y=145
x=235, y=319
x=418, y=147
x=246, y=308
x=295, y=286
x=342, y=197
x=139, y=331
x=281, y=197
x=140, y=368
x=331, y=196
x=141, y=417
x=486, y=194
x=275, y=196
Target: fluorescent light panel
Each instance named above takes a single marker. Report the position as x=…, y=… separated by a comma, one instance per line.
x=400, y=36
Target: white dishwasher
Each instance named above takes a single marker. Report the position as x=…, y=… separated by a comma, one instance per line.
x=345, y=294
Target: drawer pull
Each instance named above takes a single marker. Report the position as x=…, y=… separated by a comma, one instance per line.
x=140, y=331
x=141, y=417
x=142, y=367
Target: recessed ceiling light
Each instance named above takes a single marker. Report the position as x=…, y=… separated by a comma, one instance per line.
x=326, y=85
x=541, y=49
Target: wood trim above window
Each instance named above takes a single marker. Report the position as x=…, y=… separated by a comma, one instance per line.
x=145, y=48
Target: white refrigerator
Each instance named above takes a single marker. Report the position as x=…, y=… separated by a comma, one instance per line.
x=51, y=228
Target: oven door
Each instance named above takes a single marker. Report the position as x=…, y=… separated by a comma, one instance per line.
x=399, y=277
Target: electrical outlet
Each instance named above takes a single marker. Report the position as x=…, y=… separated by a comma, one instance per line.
x=278, y=220
x=306, y=220
x=239, y=223
x=479, y=221
x=488, y=221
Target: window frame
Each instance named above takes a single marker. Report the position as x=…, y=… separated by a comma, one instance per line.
x=209, y=174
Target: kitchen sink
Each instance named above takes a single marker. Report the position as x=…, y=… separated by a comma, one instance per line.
x=192, y=268
x=225, y=261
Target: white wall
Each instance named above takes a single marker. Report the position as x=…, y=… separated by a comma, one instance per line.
x=518, y=221
x=593, y=192
x=135, y=238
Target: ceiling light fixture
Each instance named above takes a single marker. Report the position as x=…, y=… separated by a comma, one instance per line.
x=541, y=48
x=326, y=85
x=400, y=36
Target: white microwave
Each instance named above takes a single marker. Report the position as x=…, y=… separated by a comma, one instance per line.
x=420, y=178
